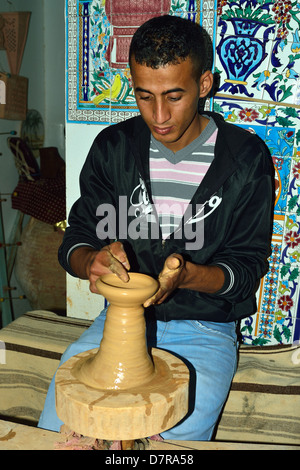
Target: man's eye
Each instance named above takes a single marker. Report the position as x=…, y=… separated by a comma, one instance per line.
x=145, y=98
x=174, y=98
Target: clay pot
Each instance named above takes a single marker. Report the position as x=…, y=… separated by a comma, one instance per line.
x=125, y=331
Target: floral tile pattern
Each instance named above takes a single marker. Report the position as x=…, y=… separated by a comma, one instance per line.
x=257, y=54
x=258, y=58
x=278, y=316
x=98, y=37
x=258, y=49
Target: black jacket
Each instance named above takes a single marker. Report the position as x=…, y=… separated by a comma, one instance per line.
x=231, y=219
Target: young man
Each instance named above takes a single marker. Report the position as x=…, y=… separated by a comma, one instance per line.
x=192, y=204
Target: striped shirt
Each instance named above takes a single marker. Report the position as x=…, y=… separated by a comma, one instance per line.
x=175, y=177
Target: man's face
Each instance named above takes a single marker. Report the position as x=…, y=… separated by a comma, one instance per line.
x=167, y=98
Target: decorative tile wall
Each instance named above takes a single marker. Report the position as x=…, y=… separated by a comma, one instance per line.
x=257, y=54
x=98, y=37
x=258, y=58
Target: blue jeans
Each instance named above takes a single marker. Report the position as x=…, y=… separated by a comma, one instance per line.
x=209, y=350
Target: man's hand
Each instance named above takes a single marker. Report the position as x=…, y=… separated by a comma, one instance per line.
x=177, y=273
x=111, y=259
x=180, y=274
x=170, y=278
x=90, y=264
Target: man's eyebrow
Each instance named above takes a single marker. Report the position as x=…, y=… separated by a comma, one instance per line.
x=172, y=90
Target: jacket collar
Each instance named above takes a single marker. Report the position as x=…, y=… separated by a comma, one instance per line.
x=223, y=164
x=140, y=146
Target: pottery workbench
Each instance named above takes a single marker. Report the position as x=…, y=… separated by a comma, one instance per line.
x=21, y=437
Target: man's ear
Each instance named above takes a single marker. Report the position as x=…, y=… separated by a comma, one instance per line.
x=205, y=83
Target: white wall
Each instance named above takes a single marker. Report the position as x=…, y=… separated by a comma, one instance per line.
x=81, y=303
x=54, y=74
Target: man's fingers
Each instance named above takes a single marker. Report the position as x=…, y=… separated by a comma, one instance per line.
x=168, y=279
x=117, y=268
x=117, y=251
x=157, y=298
x=110, y=259
x=115, y=259
x=172, y=264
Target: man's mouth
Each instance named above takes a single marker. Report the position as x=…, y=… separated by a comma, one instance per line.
x=162, y=130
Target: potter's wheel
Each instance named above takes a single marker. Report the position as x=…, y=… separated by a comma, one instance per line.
x=119, y=392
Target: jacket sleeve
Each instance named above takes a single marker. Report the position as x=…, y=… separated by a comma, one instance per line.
x=247, y=245
x=95, y=188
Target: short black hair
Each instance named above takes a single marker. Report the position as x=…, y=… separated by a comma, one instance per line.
x=169, y=39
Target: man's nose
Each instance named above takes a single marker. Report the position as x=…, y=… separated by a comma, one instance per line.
x=161, y=112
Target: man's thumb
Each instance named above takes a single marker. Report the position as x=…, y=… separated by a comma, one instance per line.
x=173, y=262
